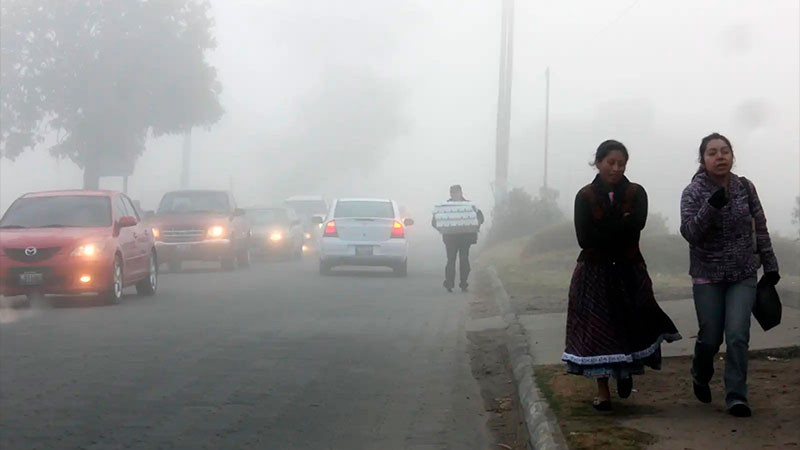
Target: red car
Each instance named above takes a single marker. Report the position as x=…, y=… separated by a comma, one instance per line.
x=201, y=225
x=74, y=242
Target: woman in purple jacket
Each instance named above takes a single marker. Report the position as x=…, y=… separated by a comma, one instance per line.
x=719, y=213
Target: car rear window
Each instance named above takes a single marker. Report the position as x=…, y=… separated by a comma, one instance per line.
x=58, y=211
x=377, y=209
x=194, y=202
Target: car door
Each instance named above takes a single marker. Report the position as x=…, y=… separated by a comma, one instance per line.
x=126, y=238
x=143, y=236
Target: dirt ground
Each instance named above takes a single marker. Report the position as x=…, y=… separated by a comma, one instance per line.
x=491, y=368
x=663, y=414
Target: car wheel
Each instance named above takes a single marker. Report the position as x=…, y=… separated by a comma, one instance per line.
x=113, y=295
x=401, y=270
x=175, y=266
x=229, y=263
x=149, y=285
x=243, y=258
x=324, y=268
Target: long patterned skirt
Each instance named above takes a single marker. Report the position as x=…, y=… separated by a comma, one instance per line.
x=614, y=325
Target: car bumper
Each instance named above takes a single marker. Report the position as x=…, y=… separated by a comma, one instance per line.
x=387, y=253
x=59, y=279
x=208, y=250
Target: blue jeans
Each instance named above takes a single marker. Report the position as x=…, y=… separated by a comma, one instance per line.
x=724, y=308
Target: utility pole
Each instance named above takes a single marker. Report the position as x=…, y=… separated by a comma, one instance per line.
x=546, y=123
x=187, y=156
x=503, y=130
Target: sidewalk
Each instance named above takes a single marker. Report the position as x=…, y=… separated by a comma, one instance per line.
x=546, y=332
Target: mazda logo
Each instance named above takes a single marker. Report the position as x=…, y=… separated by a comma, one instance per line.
x=30, y=251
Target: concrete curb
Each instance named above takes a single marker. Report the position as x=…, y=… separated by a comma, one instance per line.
x=543, y=429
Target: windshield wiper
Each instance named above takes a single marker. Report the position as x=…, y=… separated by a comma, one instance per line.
x=53, y=225
x=11, y=226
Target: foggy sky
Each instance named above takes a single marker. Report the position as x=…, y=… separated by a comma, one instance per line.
x=302, y=82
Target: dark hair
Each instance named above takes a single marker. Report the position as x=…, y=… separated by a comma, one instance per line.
x=704, y=144
x=455, y=187
x=607, y=147
x=709, y=138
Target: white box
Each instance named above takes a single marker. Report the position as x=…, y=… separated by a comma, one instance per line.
x=456, y=217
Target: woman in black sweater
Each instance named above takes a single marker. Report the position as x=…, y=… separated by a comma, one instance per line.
x=614, y=325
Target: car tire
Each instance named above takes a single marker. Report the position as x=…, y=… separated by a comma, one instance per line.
x=229, y=264
x=401, y=270
x=324, y=268
x=149, y=285
x=175, y=266
x=243, y=257
x=113, y=294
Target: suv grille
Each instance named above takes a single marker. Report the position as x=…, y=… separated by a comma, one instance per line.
x=21, y=254
x=183, y=235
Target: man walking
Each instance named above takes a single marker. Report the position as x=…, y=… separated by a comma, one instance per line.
x=457, y=246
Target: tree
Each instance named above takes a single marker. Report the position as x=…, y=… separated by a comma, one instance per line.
x=796, y=213
x=101, y=75
x=522, y=215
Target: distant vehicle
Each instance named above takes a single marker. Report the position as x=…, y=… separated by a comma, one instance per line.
x=74, y=242
x=364, y=232
x=276, y=231
x=311, y=209
x=201, y=225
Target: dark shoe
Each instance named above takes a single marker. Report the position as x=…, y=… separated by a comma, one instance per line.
x=702, y=392
x=740, y=410
x=625, y=387
x=449, y=288
x=601, y=405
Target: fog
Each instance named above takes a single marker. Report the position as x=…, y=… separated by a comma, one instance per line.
x=398, y=99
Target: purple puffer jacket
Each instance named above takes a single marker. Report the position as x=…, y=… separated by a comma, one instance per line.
x=721, y=240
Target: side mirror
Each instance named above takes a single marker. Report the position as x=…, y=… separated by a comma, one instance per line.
x=238, y=212
x=408, y=222
x=127, y=221
x=317, y=220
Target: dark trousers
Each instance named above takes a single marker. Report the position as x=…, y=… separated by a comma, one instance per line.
x=457, y=248
x=723, y=309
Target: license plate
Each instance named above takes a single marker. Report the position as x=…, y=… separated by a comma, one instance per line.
x=184, y=247
x=364, y=250
x=31, y=279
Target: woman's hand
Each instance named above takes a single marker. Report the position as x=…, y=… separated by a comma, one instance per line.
x=719, y=199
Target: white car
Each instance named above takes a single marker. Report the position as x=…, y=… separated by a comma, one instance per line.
x=364, y=232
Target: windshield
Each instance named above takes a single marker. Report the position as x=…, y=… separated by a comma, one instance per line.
x=194, y=202
x=61, y=211
x=308, y=207
x=378, y=209
x=267, y=216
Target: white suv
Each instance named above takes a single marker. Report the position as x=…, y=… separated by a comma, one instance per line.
x=364, y=232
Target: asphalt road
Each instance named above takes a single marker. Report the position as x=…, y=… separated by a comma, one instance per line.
x=271, y=357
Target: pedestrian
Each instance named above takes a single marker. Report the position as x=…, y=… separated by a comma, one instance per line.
x=724, y=223
x=614, y=325
x=457, y=246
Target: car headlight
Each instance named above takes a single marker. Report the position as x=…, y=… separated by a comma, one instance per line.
x=88, y=250
x=216, y=231
x=276, y=236
x=156, y=233
x=308, y=235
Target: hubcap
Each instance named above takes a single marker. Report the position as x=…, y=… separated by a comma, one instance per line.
x=153, y=273
x=117, y=280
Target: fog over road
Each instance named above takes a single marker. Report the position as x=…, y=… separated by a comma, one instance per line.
x=274, y=356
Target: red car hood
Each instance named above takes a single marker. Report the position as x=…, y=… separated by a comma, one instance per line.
x=51, y=237
x=189, y=220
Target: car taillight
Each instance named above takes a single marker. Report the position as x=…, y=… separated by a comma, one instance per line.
x=330, y=230
x=397, y=230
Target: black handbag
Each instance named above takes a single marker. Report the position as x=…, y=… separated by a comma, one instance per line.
x=767, y=309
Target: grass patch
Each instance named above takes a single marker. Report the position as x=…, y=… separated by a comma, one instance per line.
x=582, y=426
